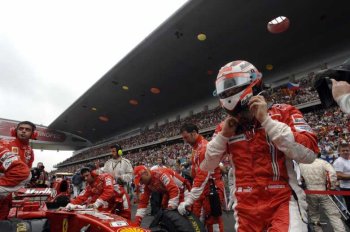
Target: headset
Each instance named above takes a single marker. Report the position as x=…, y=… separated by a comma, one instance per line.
x=34, y=134
x=118, y=148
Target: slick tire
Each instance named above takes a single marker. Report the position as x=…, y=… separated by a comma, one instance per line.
x=172, y=221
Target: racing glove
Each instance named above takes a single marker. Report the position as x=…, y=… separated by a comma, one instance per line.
x=186, y=203
x=182, y=208
x=71, y=206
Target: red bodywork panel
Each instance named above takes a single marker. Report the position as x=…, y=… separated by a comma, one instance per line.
x=98, y=221
x=30, y=203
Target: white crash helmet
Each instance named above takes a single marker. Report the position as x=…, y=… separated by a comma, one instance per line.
x=236, y=83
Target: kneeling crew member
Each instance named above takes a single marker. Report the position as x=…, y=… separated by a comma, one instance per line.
x=102, y=193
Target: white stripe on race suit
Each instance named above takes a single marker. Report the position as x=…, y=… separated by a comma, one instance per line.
x=282, y=136
x=125, y=202
x=4, y=191
x=141, y=212
x=295, y=221
x=196, y=192
x=273, y=154
x=165, y=180
x=216, y=228
x=174, y=202
x=178, y=182
x=7, y=163
x=117, y=188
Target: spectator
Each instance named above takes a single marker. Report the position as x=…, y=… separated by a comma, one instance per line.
x=342, y=167
x=315, y=176
x=40, y=177
x=77, y=181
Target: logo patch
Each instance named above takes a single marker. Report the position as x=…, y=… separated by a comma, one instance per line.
x=15, y=150
x=298, y=119
x=237, y=138
x=300, y=128
x=165, y=180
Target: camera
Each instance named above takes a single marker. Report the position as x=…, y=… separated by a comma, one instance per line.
x=323, y=83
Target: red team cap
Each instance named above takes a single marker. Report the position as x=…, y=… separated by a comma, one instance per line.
x=138, y=171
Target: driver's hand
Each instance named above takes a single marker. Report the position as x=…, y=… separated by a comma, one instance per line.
x=258, y=107
x=229, y=126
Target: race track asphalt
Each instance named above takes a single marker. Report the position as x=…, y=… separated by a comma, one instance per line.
x=228, y=221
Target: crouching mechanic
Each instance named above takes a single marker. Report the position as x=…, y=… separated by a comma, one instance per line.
x=207, y=193
x=263, y=141
x=14, y=173
x=162, y=180
x=102, y=193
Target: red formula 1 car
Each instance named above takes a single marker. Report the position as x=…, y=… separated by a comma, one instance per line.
x=40, y=210
x=30, y=213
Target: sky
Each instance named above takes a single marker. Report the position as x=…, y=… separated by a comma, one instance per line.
x=51, y=52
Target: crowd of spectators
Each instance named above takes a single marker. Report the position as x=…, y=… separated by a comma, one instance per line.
x=204, y=119
x=304, y=93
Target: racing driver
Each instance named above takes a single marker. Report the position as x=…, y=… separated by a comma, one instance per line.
x=162, y=180
x=102, y=193
x=14, y=173
x=263, y=140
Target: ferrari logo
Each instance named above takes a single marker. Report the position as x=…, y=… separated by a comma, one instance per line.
x=15, y=150
x=65, y=225
x=21, y=227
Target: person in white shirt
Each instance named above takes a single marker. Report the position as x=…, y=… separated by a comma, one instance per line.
x=119, y=167
x=316, y=176
x=342, y=167
x=160, y=164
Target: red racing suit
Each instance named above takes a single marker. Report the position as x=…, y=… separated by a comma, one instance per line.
x=13, y=175
x=106, y=195
x=166, y=181
x=263, y=170
x=200, y=191
x=23, y=150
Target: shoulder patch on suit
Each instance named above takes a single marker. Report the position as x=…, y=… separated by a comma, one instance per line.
x=165, y=179
x=303, y=127
x=108, y=181
x=298, y=119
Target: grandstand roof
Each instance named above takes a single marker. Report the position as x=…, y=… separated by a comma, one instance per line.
x=184, y=68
